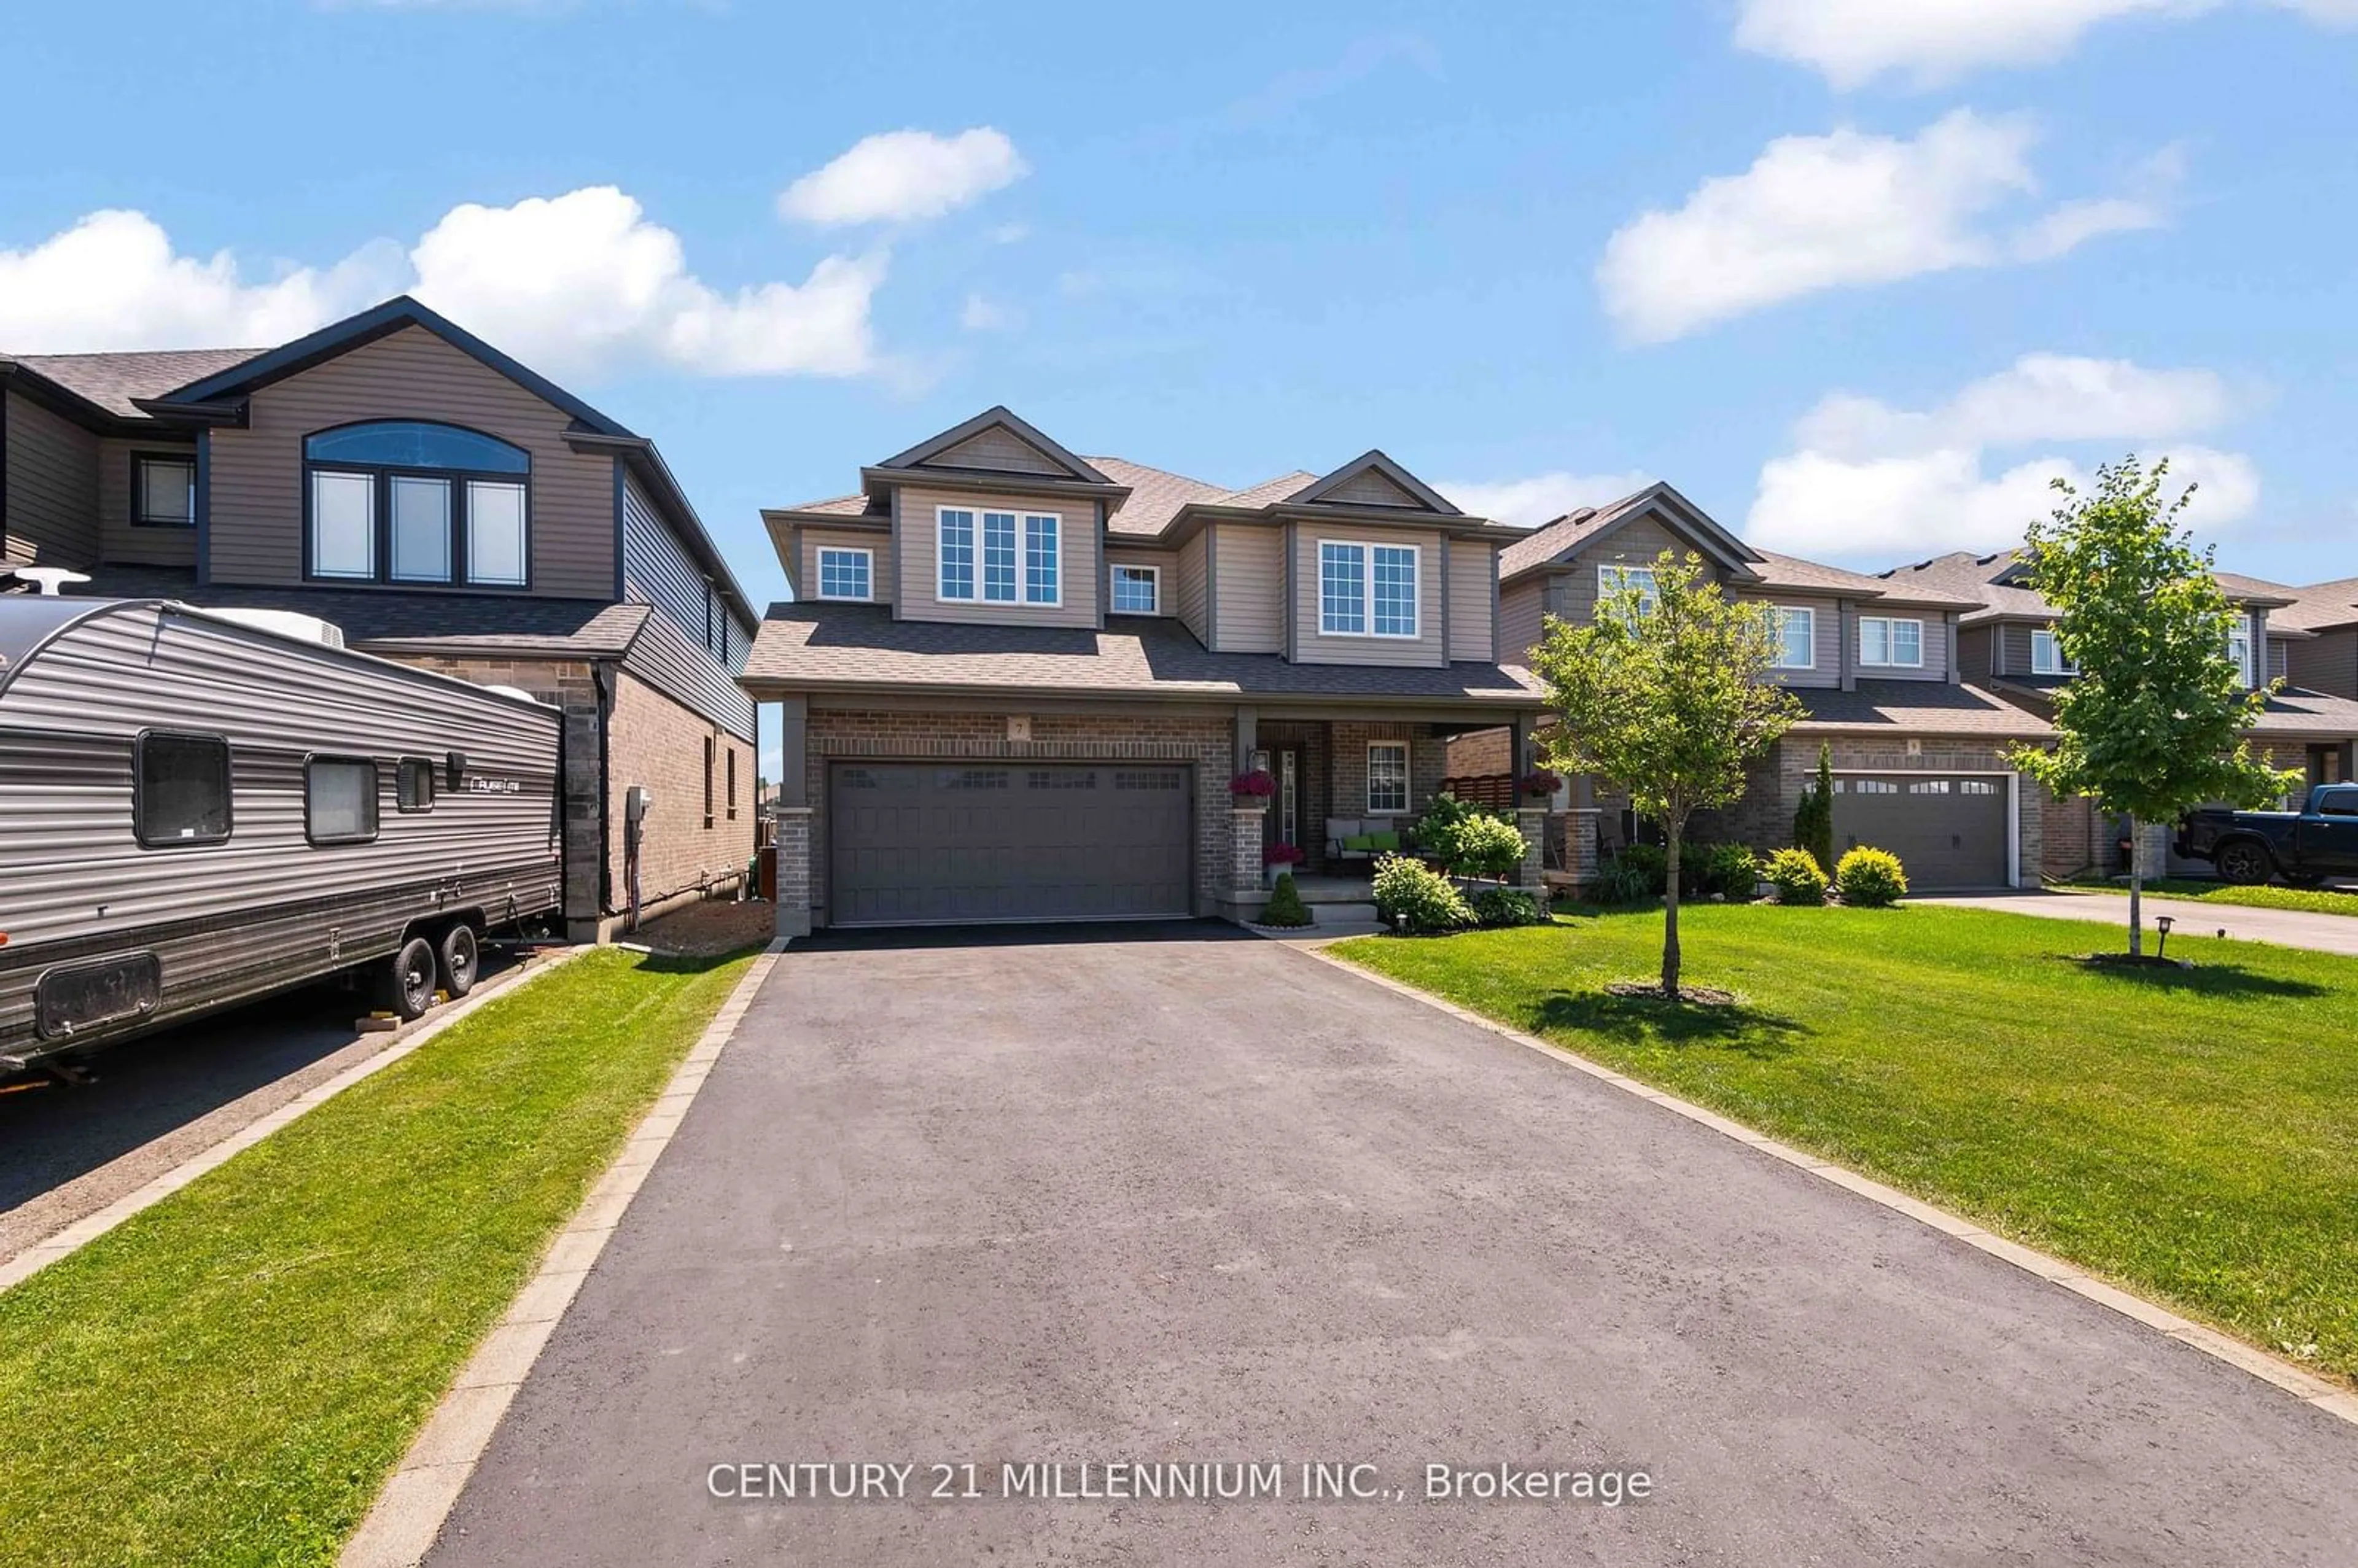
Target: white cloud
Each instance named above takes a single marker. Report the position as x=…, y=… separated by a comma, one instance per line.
x=1848, y=208
x=980, y=315
x=571, y=284
x=1931, y=41
x=901, y=176
x=1877, y=483
x=1541, y=498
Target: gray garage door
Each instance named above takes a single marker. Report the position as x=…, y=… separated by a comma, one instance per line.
x=920, y=843
x=1949, y=831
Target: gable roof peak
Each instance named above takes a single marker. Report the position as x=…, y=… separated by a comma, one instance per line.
x=977, y=430
x=1345, y=486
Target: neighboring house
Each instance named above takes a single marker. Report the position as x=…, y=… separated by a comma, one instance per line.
x=1918, y=755
x=2006, y=644
x=1017, y=683
x=443, y=505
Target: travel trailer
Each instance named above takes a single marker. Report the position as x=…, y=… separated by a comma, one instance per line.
x=201, y=807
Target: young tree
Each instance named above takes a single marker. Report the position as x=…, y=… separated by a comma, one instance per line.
x=1814, y=823
x=1667, y=694
x=2152, y=725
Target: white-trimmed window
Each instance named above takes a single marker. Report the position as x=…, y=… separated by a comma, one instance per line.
x=1043, y=575
x=1889, y=643
x=954, y=553
x=1368, y=590
x=1021, y=556
x=2046, y=654
x=1612, y=577
x=2239, y=648
x=1387, y=778
x=1797, y=637
x=845, y=572
x=1137, y=590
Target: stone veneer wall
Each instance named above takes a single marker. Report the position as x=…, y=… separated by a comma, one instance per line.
x=1205, y=741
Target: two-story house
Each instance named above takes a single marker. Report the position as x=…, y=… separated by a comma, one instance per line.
x=441, y=505
x=2007, y=643
x=1017, y=683
x=1918, y=755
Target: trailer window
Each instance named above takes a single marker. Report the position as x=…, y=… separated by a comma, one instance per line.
x=339, y=800
x=413, y=785
x=180, y=789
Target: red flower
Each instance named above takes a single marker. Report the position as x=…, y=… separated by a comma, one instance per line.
x=1284, y=855
x=1257, y=782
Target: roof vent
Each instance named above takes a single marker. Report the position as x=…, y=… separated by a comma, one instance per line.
x=286, y=624
x=48, y=580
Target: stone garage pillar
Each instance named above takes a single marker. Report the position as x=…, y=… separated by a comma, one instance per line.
x=794, y=892
x=1247, y=884
x=1532, y=877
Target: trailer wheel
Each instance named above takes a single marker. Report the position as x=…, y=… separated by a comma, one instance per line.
x=458, y=958
x=409, y=979
x=2245, y=863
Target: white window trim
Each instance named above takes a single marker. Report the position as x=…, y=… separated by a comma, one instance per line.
x=974, y=559
x=1408, y=786
x=1023, y=521
x=1367, y=548
x=1810, y=610
x=1888, y=622
x=2055, y=664
x=819, y=573
x=1606, y=570
x=2239, y=648
x=1153, y=575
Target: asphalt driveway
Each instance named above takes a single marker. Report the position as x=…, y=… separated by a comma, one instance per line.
x=1182, y=1197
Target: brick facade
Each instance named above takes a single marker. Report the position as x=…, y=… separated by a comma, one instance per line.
x=659, y=743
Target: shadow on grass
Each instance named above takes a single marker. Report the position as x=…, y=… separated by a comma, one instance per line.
x=694, y=963
x=2203, y=980
x=1639, y=1021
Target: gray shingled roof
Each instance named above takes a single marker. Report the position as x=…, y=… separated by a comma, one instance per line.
x=860, y=646
x=2293, y=712
x=112, y=381
x=1270, y=492
x=1551, y=539
x=1920, y=708
x=1155, y=495
x=525, y=624
x=1792, y=572
x=2320, y=605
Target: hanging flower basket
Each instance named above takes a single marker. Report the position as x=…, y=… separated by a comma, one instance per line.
x=1540, y=783
x=1255, y=785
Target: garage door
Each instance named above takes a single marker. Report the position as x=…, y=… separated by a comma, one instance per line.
x=920, y=843
x=1949, y=832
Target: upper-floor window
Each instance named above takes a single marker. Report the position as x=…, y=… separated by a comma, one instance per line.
x=404, y=501
x=1367, y=590
x=1137, y=590
x=1890, y=642
x=1797, y=637
x=1005, y=571
x=2046, y=654
x=846, y=573
x=163, y=491
x=1613, y=578
x=2239, y=648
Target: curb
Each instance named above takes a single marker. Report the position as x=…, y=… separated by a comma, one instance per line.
x=405, y=1520
x=2298, y=1381
x=66, y=1243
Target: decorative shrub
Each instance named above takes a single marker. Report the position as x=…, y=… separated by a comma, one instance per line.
x=1625, y=878
x=1284, y=855
x=1796, y=877
x=1870, y=878
x=1506, y=907
x=1728, y=870
x=1437, y=830
x=1422, y=900
x=1813, y=824
x=1539, y=781
x=1254, y=783
x=1650, y=861
x=1486, y=846
x=1285, y=906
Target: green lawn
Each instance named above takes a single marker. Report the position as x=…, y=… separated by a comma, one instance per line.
x=2193, y=1134
x=2315, y=900
x=228, y=1377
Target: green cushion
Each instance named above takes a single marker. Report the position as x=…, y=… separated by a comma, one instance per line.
x=1360, y=841
x=1383, y=840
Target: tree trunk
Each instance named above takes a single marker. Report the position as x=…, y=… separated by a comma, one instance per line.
x=2136, y=891
x=1671, y=834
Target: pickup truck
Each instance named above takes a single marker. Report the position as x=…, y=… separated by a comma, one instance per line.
x=2303, y=847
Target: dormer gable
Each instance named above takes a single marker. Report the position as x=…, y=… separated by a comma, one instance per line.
x=998, y=441
x=1374, y=480
x=1555, y=544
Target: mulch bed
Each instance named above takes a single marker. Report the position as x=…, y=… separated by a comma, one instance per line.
x=1689, y=996
x=710, y=929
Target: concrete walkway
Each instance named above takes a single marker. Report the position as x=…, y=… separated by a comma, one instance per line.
x=2286, y=928
x=1167, y=1194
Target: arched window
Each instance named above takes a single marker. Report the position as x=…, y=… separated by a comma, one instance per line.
x=407, y=501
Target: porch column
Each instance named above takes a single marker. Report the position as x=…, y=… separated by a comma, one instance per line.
x=1581, y=835
x=794, y=906
x=1532, y=877
x=1247, y=884
x=794, y=723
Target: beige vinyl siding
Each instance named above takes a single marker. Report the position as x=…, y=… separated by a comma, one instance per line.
x=1250, y=560
x=1935, y=643
x=1313, y=646
x=1080, y=570
x=2280, y=661
x=879, y=544
x=1521, y=617
x=1166, y=583
x=1001, y=450
x=1977, y=646
x=1635, y=543
x=2328, y=662
x=52, y=479
x=1473, y=581
x=256, y=522
x=119, y=540
x=1825, y=637
x=1195, y=585
x=2014, y=646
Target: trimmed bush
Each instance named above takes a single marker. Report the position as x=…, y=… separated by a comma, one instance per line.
x=1486, y=846
x=1796, y=877
x=1285, y=906
x=1506, y=907
x=1423, y=901
x=1730, y=871
x=1871, y=879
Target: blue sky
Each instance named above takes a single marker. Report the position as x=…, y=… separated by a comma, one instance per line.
x=1855, y=282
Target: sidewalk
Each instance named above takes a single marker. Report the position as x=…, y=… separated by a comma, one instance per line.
x=2285, y=927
